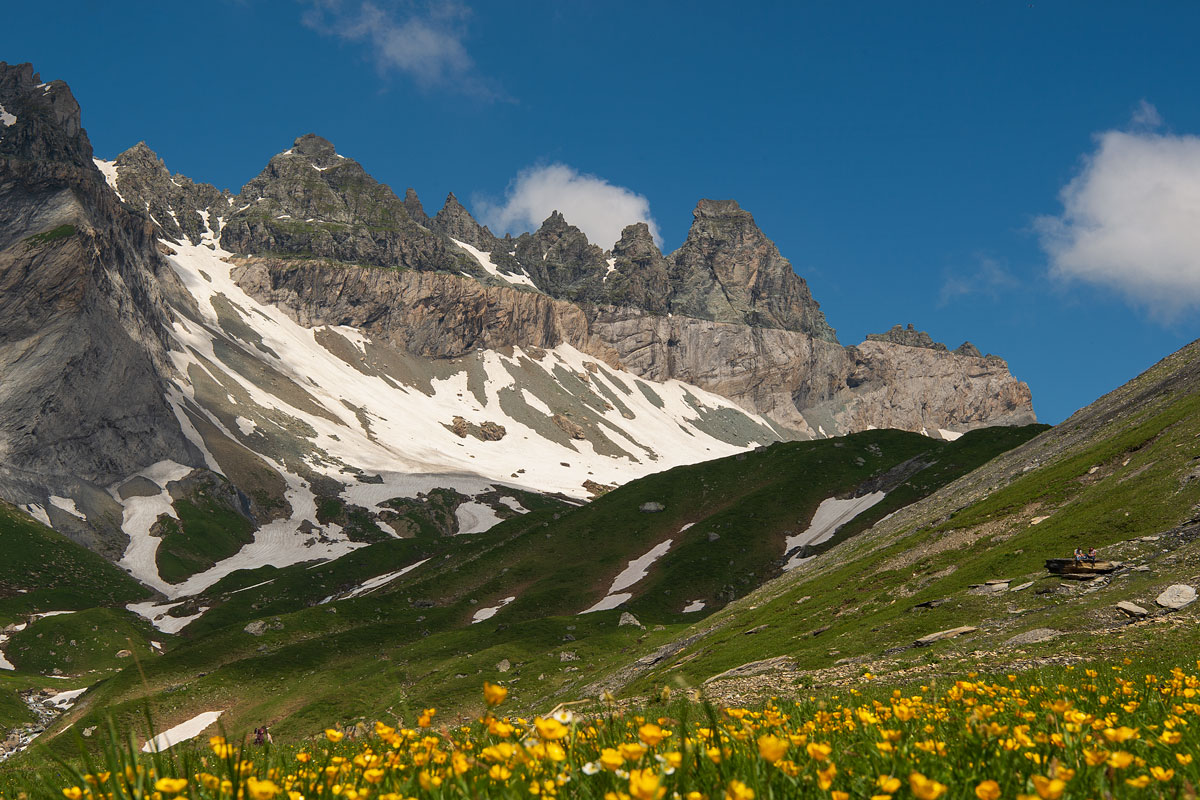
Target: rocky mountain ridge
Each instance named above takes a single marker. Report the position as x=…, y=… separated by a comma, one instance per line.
x=725, y=311
x=179, y=359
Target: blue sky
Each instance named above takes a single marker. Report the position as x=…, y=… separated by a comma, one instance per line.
x=909, y=158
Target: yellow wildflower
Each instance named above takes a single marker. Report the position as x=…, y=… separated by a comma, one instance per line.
x=644, y=784
x=987, y=790
x=494, y=695
x=772, y=748
x=925, y=788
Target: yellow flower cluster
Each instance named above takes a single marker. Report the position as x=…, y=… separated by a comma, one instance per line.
x=1095, y=734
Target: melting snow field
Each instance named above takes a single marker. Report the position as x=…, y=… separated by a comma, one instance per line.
x=949, y=436
x=695, y=605
x=293, y=394
x=830, y=515
x=64, y=700
x=637, y=569
x=366, y=587
x=157, y=614
x=181, y=732
x=485, y=261
x=488, y=613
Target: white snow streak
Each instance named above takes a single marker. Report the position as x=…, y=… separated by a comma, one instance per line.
x=67, y=505
x=485, y=261
x=109, y=170
x=181, y=732
x=6, y=118
x=633, y=573
x=157, y=614
x=488, y=613
x=366, y=587
x=829, y=516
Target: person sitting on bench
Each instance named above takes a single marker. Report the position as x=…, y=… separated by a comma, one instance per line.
x=1078, y=555
x=1091, y=556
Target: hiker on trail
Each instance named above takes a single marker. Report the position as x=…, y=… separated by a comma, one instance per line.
x=1091, y=556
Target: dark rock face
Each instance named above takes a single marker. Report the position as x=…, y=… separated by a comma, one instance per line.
x=176, y=204
x=82, y=321
x=729, y=271
x=457, y=223
x=910, y=337
x=312, y=202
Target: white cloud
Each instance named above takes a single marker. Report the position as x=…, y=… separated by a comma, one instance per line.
x=595, y=206
x=424, y=42
x=1131, y=218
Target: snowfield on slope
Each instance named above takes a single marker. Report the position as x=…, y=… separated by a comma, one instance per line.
x=303, y=403
x=832, y=514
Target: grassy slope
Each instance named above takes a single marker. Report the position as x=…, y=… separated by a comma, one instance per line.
x=82, y=642
x=44, y=571
x=411, y=642
x=1122, y=469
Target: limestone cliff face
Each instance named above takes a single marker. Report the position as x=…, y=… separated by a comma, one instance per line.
x=807, y=385
x=83, y=327
x=435, y=315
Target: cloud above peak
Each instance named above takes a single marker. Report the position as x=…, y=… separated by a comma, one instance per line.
x=598, y=208
x=1131, y=218
x=423, y=41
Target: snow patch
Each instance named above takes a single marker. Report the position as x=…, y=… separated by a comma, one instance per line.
x=181, y=732
x=475, y=517
x=157, y=614
x=6, y=118
x=39, y=513
x=609, y=602
x=109, y=170
x=485, y=261
x=246, y=426
x=612, y=267
x=488, y=613
x=830, y=515
x=66, y=504
x=371, y=585
x=949, y=436
x=633, y=573
x=64, y=700
x=695, y=605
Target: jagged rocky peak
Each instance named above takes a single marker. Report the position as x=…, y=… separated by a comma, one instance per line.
x=969, y=350
x=317, y=149
x=83, y=324
x=40, y=121
x=456, y=222
x=729, y=271
x=908, y=336
x=639, y=274
x=311, y=202
x=177, y=204
x=412, y=204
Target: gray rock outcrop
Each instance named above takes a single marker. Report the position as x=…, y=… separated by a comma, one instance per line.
x=83, y=324
x=1175, y=597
